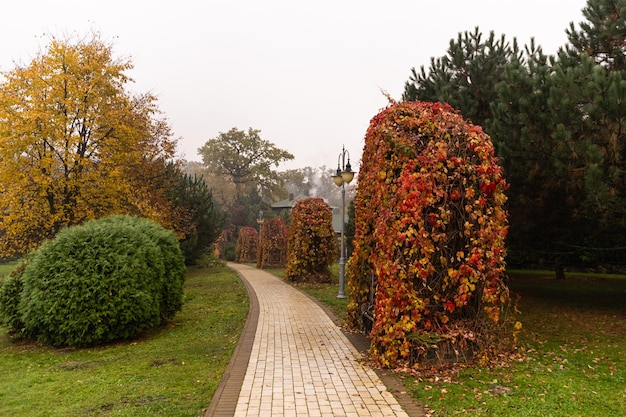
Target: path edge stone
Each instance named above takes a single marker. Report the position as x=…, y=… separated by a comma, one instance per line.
x=224, y=401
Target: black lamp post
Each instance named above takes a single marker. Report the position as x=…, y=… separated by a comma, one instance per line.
x=343, y=176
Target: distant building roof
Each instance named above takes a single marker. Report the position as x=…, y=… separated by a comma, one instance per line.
x=288, y=203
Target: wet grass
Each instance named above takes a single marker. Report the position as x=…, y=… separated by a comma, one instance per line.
x=571, y=359
x=172, y=371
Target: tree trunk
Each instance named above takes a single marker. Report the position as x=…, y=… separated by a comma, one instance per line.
x=559, y=270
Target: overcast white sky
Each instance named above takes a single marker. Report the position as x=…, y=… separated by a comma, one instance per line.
x=307, y=74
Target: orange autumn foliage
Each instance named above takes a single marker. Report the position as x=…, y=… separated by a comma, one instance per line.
x=430, y=227
x=312, y=245
x=76, y=146
x=247, y=244
x=273, y=249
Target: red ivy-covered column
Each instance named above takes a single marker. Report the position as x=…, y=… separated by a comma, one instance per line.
x=312, y=245
x=430, y=227
x=247, y=245
x=273, y=247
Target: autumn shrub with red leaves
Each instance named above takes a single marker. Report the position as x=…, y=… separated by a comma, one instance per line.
x=312, y=246
x=221, y=244
x=247, y=243
x=273, y=250
x=430, y=229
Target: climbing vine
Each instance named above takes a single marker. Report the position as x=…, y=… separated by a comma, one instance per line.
x=273, y=250
x=312, y=246
x=430, y=232
x=247, y=244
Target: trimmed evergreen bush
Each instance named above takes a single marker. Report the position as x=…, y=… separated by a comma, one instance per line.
x=172, y=290
x=106, y=280
x=10, y=292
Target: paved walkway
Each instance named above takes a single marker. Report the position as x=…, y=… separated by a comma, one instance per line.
x=294, y=361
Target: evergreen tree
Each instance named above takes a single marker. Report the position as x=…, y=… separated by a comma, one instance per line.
x=590, y=73
x=601, y=36
x=205, y=220
x=559, y=127
x=466, y=77
x=522, y=129
x=246, y=209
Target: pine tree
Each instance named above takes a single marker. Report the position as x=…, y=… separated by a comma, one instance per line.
x=466, y=77
x=205, y=219
x=522, y=129
x=559, y=127
x=601, y=36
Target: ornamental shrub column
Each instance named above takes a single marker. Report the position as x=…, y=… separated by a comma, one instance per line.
x=273, y=250
x=247, y=244
x=312, y=246
x=430, y=227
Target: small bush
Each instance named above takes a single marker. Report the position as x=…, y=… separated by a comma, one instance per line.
x=273, y=250
x=312, y=246
x=230, y=250
x=223, y=243
x=106, y=280
x=247, y=244
x=209, y=260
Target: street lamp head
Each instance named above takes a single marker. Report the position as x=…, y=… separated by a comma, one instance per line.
x=338, y=178
x=347, y=175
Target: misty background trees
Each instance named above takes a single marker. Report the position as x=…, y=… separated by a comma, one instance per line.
x=557, y=125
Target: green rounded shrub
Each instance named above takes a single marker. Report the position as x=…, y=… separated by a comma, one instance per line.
x=173, y=280
x=106, y=280
x=10, y=292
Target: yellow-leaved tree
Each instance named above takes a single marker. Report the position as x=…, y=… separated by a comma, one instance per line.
x=75, y=145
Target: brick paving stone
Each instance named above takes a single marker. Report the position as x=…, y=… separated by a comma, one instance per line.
x=301, y=364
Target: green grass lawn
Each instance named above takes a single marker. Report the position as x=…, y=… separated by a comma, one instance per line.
x=572, y=358
x=172, y=371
